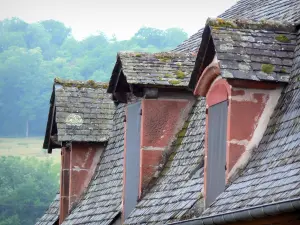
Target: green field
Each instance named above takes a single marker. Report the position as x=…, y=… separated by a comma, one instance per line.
x=26, y=147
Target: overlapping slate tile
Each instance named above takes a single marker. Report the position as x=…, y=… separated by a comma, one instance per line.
x=84, y=111
x=284, y=10
x=180, y=183
x=101, y=202
x=273, y=173
x=249, y=50
x=157, y=68
x=52, y=213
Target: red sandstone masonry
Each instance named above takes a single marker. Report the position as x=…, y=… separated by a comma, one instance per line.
x=64, y=184
x=244, y=111
x=78, y=166
x=161, y=119
x=84, y=159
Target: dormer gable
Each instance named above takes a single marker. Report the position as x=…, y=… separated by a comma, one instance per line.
x=241, y=68
x=136, y=73
x=158, y=102
x=79, y=122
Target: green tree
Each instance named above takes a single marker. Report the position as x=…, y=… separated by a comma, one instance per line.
x=23, y=197
x=32, y=55
x=58, y=31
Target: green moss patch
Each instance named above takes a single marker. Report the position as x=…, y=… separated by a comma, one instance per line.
x=80, y=84
x=267, y=68
x=282, y=38
x=283, y=70
x=174, y=82
x=179, y=74
x=221, y=23
x=163, y=57
x=167, y=75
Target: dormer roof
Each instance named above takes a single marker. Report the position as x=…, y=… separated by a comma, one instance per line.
x=152, y=69
x=79, y=111
x=247, y=50
x=273, y=173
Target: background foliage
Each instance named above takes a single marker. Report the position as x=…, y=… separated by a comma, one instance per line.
x=27, y=187
x=32, y=55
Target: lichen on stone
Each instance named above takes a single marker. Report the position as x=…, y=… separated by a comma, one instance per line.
x=179, y=64
x=180, y=74
x=282, y=38
x=168, y=75
x=163, y=57
x=227, y=74
x=283, y=70
x=174, y=82
x=267, y=68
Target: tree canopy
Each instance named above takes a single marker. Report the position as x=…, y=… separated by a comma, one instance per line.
x=32, y=55
x=27, y=188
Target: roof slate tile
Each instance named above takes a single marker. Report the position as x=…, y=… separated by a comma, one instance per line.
x=170, y=69
x=248, y=62
x=87, y=102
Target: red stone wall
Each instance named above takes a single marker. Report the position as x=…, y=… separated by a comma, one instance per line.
x=84, y=159
x=244, y=111
x=78, y=166
x=161, y=120
x=64, y=184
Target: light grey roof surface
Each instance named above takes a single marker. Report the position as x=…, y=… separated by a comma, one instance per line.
x=84, y=111
x=254, y=51
x=52, y=213
x=287, y=10
x=157, y=68
x=273, y=173
x=180, y=183
x=102, y=201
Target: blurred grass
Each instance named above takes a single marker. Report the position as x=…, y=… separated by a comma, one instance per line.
x=26, y=147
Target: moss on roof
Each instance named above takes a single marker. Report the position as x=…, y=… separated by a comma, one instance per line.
x=267, y=68
x=180, y=74
x=282, y=38
x=80, y=84
x=251, y=24
x=174, y=82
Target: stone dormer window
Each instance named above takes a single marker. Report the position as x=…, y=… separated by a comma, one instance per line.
x=242, y=83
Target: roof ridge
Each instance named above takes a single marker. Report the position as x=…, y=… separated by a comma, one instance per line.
x=164, y=53
x=270, y=25
x=80, y=84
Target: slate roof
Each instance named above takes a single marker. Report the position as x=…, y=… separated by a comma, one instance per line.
x=170, y=69
x=248, y=50
x=273, y=173
x=179, y=185
x=102, y=201
x=285, y=10
x=52, y=213
x=84, y=111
